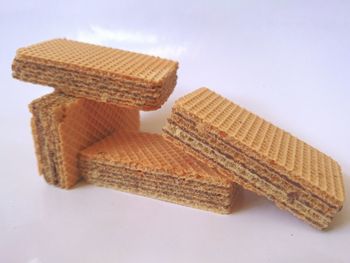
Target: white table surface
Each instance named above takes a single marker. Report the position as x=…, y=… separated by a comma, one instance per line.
x=288, y=61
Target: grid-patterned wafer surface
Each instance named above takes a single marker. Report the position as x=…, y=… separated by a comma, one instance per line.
x=150, y=152
x=109, y=61
x=263, y=140
x=87, y=122
x=64, y=125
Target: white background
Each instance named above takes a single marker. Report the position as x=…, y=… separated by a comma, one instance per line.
x=288, y=61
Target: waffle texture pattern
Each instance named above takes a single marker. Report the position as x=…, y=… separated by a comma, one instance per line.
x=98, y=73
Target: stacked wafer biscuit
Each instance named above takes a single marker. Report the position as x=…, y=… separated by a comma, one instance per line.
x=89, y=128
x=258, y=155
x=98, y=94
x=147, y=164
x=98, y=73
x=63, y=125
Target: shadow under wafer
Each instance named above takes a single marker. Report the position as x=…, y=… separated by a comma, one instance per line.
x=146, y=164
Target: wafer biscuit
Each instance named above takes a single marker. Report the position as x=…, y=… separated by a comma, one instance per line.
x=63, y=125
x=147, y=165
x=258, y=155
x=98, y=73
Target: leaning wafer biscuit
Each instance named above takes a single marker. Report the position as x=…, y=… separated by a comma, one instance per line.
x=98, y=73
x=63, y=125
x=147, y=165
x=258, y=155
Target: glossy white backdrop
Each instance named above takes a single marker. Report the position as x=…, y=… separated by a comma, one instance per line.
x=288, y=61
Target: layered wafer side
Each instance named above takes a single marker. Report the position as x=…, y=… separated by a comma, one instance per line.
x=147, y=165
x=63, y=126
x=98, y=73
x=258, y=155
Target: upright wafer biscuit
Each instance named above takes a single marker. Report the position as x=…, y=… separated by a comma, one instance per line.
x=258, y=155
x=146, y=164
x=98, y=73
x=63, y=125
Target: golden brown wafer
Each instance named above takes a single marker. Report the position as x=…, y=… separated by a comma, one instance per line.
x=64, y=125
x=98, y=73
x=146, y=164
x=258, y=155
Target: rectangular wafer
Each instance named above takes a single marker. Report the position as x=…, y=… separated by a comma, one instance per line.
x=147, y=165
x=98, y=73
x=258, y=155
x=63, y=125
